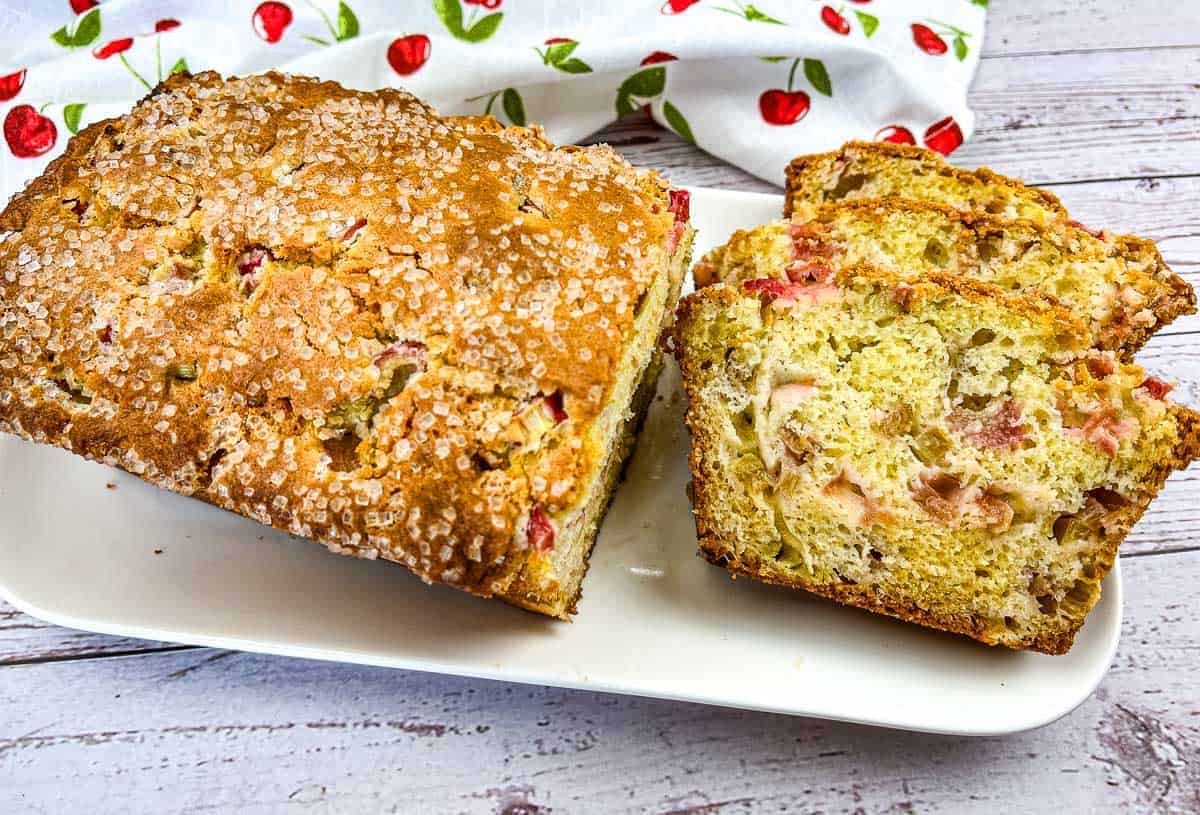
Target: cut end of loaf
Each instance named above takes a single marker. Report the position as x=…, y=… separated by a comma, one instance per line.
x=552, y=585
x=937, y=451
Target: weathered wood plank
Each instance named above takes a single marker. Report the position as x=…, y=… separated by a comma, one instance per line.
x=28, y=639
x=1070, y=117
x=1089, y=25
x=221, y=730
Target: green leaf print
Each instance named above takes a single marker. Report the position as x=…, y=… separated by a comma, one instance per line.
x=85, y=32
x=645, y=84
x=347, y=23
x=574, y=66
x=960, y=48
x=450, y=13
x=72, y=114
x=756, y=16
x=818, y=77
x=180, y=67
x=483, y=29
x=559, y=51
x=514, y=108
x=88, y=30
x=869, y=22
x=677, y=121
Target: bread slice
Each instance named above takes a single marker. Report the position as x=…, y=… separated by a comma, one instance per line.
x=1123, y=296
x=406, y=337
x=938, y=451
x=880, y=169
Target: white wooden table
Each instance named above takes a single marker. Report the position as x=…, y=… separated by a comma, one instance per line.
x=1097, y=101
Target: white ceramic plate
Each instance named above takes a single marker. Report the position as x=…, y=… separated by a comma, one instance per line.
x=654, y=620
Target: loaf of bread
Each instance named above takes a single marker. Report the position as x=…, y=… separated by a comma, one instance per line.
x=1124, y=292
x=937, y=450
x=880, y=169
x=406, y=337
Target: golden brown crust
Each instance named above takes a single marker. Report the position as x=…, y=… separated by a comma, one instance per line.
x=330, y=311
x=930, y=162
x=720, y=553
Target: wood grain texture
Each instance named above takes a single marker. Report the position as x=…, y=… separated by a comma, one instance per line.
x=25, y=639
x=1050, y=118
x=1093, y=97
x=238, y=732
x=1015, y=27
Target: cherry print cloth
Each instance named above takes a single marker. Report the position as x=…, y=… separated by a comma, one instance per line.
x=754, y=83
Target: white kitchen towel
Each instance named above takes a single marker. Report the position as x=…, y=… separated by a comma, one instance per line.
x=754, y=84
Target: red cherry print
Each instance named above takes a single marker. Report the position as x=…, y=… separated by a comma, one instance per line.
x=558, y=40
x=113, y=48
x=29, y=134
x=677, y=6
x=657, y=57
x=166, y=25
x=11, y=84
x=487, y=4
x=896, y=135
x=927, y=40
x=944, y=136
x=80, y=6
x=834, y=20
x=780, y=107
x=407, y=54
x=270, y=20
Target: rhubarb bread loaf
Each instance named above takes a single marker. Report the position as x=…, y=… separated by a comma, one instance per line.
x=403, y=336
x=939, y=450
x=1124, y=295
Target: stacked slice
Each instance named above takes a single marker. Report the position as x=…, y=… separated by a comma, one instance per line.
x=925, y=409
x=879, y=170
x=1118, y=284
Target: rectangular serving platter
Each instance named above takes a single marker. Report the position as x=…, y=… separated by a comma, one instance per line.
x=655, y=620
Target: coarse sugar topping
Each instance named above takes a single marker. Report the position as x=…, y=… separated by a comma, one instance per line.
x=330, y=311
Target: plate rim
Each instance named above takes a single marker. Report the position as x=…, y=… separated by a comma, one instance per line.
x=531, y=678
